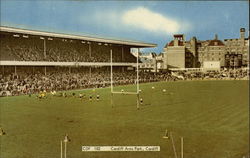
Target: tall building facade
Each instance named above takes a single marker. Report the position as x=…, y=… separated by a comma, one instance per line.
x=194, y=53
x=176, y=54
x=211, y=51
x=237, y=50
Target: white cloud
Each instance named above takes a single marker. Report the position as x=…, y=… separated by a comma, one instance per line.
x=141, y=20
x=145, y=19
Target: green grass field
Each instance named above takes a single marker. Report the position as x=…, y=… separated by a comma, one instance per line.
x=212, y=116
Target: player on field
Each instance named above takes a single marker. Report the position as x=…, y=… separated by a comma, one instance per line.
x=90, y=97
x=53, y=93
x=80, y=95
x=1, y=131
x=65, y=94
x=141, y=101
x=39, y=96
x=97, y=97
x=43, y=95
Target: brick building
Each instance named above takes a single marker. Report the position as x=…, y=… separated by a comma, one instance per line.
x=193, y=53
x=211, y=51
x=237, y=50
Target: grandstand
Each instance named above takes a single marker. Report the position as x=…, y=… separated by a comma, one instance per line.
x=46, y=54
x=27, y=45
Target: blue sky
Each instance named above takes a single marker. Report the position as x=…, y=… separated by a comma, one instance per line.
x=148, y=21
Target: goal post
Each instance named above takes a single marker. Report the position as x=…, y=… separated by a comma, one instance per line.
x=137, y=81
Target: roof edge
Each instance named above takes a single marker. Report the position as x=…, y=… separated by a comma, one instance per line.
x=137, y=44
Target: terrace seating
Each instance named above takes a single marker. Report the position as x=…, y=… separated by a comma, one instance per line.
x=26, y=82
x=57, y=50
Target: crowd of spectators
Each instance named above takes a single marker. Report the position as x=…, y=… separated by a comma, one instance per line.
x=25, y=50
x=60, y=50
x=219, y=75
x=28, y=83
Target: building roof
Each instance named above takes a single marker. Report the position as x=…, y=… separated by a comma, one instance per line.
x=236, y=39
x=216, y=42
x=136, y=44
x=178, y=35
x=172, y=43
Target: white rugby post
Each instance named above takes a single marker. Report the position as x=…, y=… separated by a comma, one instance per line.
x=137, y=81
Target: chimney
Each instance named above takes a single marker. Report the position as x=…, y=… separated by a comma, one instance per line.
x=176, y=42
x=242, y=33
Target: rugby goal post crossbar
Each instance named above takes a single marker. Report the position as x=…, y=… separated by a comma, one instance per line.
x=125, y=93
x=137, y=81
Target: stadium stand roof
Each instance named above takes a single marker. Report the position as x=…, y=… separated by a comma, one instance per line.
x=136, y=44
